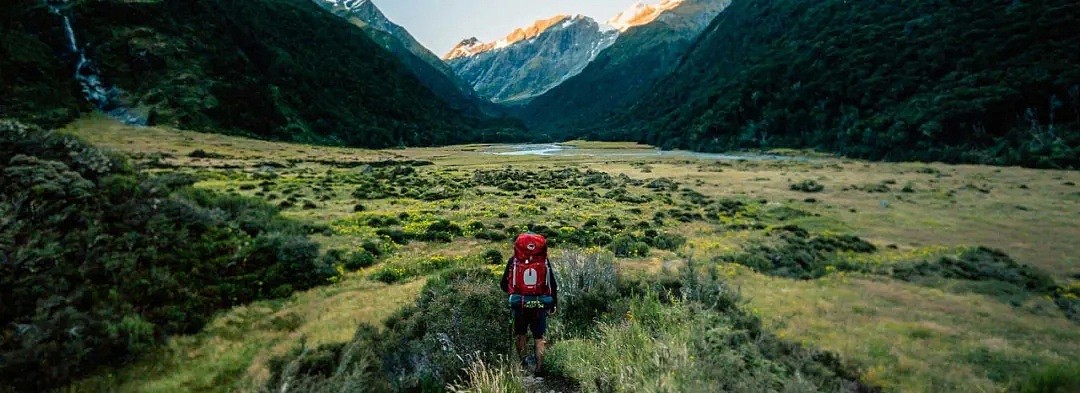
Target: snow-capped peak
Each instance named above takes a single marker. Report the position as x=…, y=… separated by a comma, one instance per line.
x=640, y=13
x=352, y=5
x=472, y=46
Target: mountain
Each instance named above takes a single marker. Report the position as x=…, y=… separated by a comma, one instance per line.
x=654, y=40
x=530, y=60
x=275, y=69
x=985, y=82
x=432, y=72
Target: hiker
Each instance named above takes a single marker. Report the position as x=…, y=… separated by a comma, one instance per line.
x=530, y=281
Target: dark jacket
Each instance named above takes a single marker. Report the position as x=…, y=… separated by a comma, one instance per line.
x=551, y=283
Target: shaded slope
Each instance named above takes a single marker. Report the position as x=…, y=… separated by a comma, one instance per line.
x=35, y=84
x=432, y=72
x=276, y=69
x=986, y=82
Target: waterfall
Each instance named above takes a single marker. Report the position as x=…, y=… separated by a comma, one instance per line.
x=105, y=98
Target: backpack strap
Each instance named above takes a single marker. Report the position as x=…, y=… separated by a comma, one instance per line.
x=547, y=280
x=513, y=274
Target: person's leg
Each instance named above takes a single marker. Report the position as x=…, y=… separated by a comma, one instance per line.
x=520, y=345
x=521, y=325
x=539, y=328
x=540, y=347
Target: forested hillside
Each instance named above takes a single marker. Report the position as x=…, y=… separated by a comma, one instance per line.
x=980, y=82
x=276, y=69
x=37, y=85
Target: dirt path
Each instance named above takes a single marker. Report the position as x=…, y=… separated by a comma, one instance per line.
x=549, y=384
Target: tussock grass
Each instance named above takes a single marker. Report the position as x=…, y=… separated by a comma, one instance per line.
x=482, y=377
x=233, y=352
x=933, y=335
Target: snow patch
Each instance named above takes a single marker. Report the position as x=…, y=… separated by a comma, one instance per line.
x=641, y=13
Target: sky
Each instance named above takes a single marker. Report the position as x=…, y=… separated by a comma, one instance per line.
x=441, y=24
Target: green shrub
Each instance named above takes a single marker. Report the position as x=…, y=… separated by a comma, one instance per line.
x=372, y=247
x=808, y=185
x=791, y=251
x=493, y=257
x=981, y=264
x=493, y=235
x=441, y=231
x=200, y=153
x=388, y=274
x=588, y=282
x=667, y=241
x=358, y=260
x=396, y=235
x=628, y=246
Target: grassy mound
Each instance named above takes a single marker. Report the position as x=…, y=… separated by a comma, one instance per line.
x=686, y=333
x=791, y=251
x=100, y=264
x=460, y=317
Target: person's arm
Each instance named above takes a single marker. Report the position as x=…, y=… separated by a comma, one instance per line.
x=504, y=283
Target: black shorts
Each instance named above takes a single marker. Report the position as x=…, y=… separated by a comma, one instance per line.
x=534, y=319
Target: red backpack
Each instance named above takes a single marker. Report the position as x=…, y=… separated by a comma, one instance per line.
x=530, y=270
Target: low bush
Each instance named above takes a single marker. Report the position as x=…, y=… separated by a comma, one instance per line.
x=493, y=257
x=396, y=235
x=441, y=231
x=588, y=285
x=373, y=248
x=200, y=153
x=357, y=260
x=980, y=264
x=667, y=241
x=493, y=235
x=1007, y=279
x=808, y=185
x=790, y=251
x=628, y=246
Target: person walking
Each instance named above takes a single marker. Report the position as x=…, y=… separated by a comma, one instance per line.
x=529, y=279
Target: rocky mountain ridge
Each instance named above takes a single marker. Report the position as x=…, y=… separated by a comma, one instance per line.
x=530, y=60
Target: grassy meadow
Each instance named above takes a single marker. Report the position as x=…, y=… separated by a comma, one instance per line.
x=877, y=263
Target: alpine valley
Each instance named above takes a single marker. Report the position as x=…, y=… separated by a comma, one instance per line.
x=298, y=196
